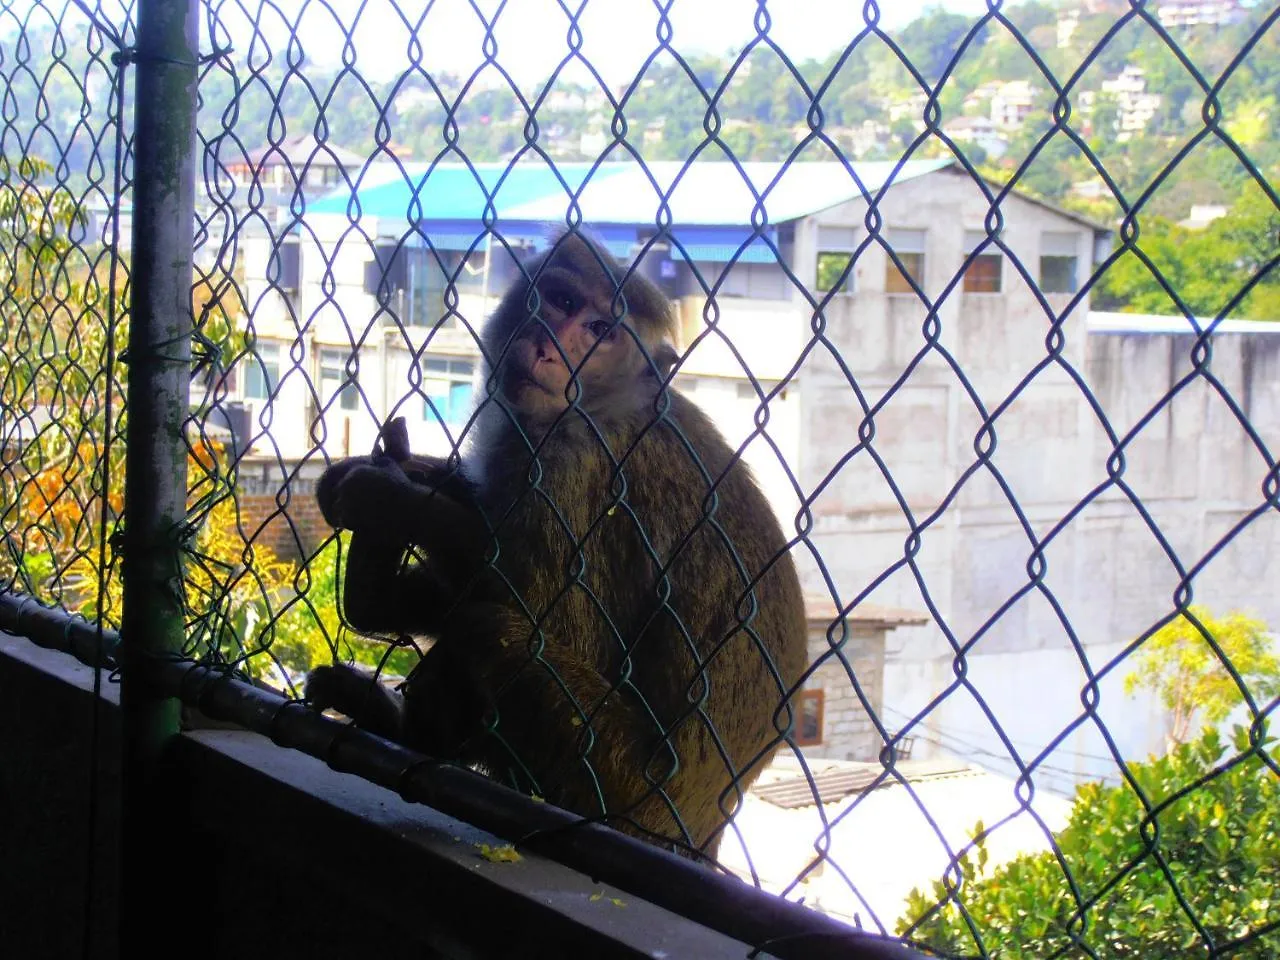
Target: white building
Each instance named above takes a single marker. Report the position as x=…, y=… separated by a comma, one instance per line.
x=981, y=131
x=912, y=108
x=1068, y=24
x=1135, y=107
x=1175, y=14
x=1012, y=103
x=1203, y=214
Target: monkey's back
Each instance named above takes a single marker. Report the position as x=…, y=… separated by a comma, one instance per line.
x=663, y=565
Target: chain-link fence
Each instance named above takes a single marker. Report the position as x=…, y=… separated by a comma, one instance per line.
x=981, y=300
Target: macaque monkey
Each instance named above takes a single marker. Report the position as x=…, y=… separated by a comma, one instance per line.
x=616, y=619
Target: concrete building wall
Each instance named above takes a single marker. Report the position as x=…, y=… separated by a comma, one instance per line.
x=848, y=732
x=978, y=497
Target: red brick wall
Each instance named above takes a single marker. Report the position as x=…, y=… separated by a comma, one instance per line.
x=307, y=531
x=278, y=510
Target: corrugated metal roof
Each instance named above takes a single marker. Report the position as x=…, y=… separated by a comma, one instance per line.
x=696, y=244
x=712, y=193
x=842, y=779
x=819, y=608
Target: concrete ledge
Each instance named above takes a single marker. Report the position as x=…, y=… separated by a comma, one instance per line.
x=274, y=854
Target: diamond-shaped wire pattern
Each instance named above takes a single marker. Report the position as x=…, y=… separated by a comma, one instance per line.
x=1003, y=508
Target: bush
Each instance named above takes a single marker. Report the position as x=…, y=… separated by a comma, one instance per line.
x=1208, y=832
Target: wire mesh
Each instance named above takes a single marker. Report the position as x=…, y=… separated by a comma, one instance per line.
x=1011, y=516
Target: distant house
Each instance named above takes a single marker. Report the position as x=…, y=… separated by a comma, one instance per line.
x=1183, y=14
x=1203, y=214
x=1067, y=25
x=1012, y=103
x=298, y=164
x=978, y=100
x=833, y=720
x=1136, y=107
x=909, y=108
x=980, y=131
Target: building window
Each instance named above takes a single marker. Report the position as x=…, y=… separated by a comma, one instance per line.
x=982, y=274
x=334, y=379
x=808, y=730
x=831, y=267
x=1058, y=260
x=909, y=246
x=447, y=384
x=836, y=246
x=262, y=370
x=429, y=279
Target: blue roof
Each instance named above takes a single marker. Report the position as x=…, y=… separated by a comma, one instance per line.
x=708, y=193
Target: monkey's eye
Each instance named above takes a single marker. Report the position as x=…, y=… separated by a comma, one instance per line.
x=602, y=329
x=562, y=299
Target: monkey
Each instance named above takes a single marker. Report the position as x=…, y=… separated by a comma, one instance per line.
x=615, y=619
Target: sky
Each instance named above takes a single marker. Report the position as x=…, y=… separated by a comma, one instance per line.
x=531, y=35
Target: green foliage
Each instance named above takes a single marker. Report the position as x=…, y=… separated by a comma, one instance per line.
x=1178, y=663
x=1207, y=268
x=54, y=315
x=1220, y=841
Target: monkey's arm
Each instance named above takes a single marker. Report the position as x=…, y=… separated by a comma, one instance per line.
x=387, y=511
x=383, y=595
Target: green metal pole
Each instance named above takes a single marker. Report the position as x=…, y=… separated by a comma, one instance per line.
x=159, y=358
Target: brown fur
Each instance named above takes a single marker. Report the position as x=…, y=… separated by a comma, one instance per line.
x=603, y=635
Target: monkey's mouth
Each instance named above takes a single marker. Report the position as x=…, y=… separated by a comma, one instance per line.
x=519, y=382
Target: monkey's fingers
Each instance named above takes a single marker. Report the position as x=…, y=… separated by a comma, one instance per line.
x=395, y=439
x=320, y=688
x=357, y=695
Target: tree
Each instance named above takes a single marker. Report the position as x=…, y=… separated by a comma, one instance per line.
x=1215, y=828
x=1180, y=665
x=1207, y=268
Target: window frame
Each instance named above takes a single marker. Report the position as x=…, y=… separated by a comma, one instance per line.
x=430, y=412
x=908, y=255
x=259, y=370
x=347, y=388
x=973, y=239
x=1053, y=243
x=816, y=695
x=834, y=246
x=427, y=282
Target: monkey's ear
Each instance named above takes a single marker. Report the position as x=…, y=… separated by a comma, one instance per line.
x=664, y=357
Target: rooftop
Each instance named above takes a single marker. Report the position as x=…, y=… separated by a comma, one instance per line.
x=819, y=608
x=1103, y=322
x=712, y=193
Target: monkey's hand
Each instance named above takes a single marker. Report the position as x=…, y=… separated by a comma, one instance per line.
x=366, y=496
x=327, y=488
x=323, y=689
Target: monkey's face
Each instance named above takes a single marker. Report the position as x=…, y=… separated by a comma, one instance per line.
x=569, y=345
